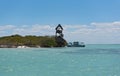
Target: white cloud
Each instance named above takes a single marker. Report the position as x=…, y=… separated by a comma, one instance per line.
x=7, y=27
x=34, y=30
x=93, y=33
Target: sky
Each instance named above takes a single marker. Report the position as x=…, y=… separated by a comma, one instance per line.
x=89, y=21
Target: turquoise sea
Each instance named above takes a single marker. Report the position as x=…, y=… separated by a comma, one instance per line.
x=93, y=60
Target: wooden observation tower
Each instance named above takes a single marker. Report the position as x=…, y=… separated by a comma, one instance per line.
x=61, y=42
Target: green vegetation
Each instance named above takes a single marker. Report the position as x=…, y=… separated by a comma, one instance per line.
x=30, y=41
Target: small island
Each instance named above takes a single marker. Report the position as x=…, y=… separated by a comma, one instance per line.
x=16, y=41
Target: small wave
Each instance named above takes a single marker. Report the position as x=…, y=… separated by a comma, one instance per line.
x=94, y=51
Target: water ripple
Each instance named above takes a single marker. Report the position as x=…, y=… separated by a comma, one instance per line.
x=93, y=51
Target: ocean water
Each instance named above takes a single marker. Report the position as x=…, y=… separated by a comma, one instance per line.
x=93, y=60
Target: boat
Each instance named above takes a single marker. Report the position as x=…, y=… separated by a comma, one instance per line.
x=76, y=44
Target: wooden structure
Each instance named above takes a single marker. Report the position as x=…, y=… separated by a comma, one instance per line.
x=59, y=36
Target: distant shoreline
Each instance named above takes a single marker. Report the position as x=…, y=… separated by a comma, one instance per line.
x=29, y=41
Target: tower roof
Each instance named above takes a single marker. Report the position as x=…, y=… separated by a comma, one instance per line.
x=59, y=26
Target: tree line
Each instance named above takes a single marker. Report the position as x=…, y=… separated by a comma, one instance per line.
x=30, y=41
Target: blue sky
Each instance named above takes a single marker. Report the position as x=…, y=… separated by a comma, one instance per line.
x=58, y=11
x=22, y=14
